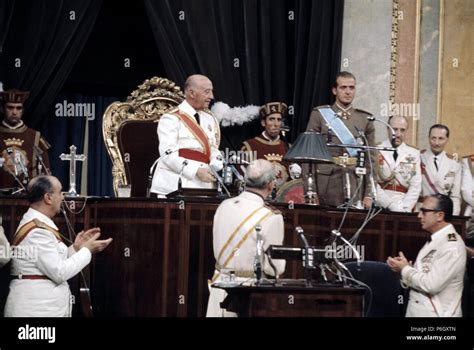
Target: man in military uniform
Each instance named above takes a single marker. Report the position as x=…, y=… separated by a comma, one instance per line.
x=436, y=278
x=234, y=236
x=440, y=172
x=43, y=264
x=189, y=137
x=24, y=150
x=467, y=183
x=4, y=248
x=269, y=144
x=343, y=124
x=399, y=173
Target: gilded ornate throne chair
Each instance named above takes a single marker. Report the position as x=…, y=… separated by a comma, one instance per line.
x=130, y=132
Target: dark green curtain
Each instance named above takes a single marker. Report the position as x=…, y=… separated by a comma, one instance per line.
x=253, y=51
x=47, y=37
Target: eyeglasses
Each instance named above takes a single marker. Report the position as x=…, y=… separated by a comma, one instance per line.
x=426, y=210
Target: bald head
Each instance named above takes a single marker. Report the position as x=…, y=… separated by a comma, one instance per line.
x=400, y=126
x=259, y=174
x=198, y=90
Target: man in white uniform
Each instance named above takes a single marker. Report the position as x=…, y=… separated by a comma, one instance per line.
x=467, y=183
x=399, y=174
x=189, y=137
x=437, y=278
x=42, y=263
x=234, y=236
x=441, y=173
x=4, y=248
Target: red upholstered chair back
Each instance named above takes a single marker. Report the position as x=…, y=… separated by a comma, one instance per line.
x=138, y=143
x=130, y=132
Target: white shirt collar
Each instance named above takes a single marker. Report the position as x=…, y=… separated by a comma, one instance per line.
x=430, y=154
x=266, y=137
x=187, y=108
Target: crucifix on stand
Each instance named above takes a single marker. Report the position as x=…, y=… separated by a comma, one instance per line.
x=72, y=157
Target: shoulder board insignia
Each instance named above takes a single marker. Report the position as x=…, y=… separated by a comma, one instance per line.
x=453, y=156
x=423, y=151
x=472, y=157
x=452, y=237
x=362, y=111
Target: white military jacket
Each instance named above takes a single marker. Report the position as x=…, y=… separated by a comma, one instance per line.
x=399, y=182
x=4, y=248
x=173, y=135
x=467, y=183
x=436, y=280
x=42, y=253
x=446, y=180
x=235, y=249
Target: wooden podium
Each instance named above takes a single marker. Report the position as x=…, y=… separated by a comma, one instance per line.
x=291, y=298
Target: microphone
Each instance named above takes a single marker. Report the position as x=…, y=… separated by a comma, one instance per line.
x=152, y=170
x=300, y=232
x=373, y=119
x=349, y=244
x=41, y=164
x=180, y=174
x=219, y=179
x=257, y=264
x=308, y=258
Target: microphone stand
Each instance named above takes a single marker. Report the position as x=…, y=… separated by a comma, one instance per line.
x=152, y=171
x=258, y=260
x=41, y=162
x=219, y=181
x=180, y=185
x=338, y=234
x=308, y=258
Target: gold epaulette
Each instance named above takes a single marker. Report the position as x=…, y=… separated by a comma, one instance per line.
x=274, y=210
x=452, y=237
x=362, y=111
x=453, y=156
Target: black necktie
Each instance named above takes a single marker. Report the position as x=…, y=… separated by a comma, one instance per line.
x=436, y=163
x=395, y=155
x=197, y=118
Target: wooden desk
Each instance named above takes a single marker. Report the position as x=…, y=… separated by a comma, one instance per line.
x=161, y=256
x=295, y=301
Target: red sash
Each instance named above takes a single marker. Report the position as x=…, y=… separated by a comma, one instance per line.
x=425, y=174
x=200, y=135
x=30, y=226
